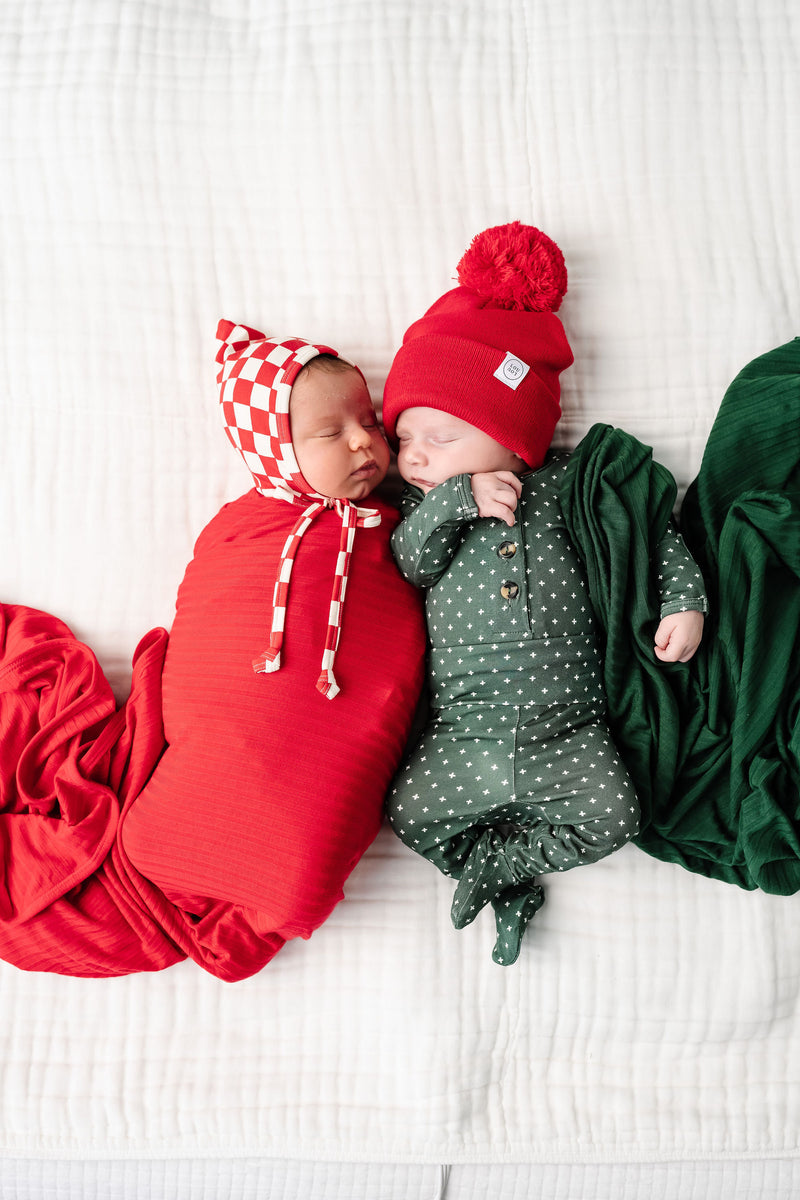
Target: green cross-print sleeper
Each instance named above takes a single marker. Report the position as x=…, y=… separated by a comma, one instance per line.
x=516, y=774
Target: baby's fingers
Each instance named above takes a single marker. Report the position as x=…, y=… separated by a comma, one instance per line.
x=496, y=494
x=497, y=508
x=678, y=636
x=512, y=480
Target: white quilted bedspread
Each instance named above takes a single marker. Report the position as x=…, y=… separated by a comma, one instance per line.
x=318, y=167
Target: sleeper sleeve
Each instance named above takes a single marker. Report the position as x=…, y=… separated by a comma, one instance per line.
x=429, y=533
x=680, y=582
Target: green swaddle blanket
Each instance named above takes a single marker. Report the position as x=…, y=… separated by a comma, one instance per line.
x=712, y=747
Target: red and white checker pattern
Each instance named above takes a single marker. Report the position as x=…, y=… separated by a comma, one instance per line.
x=326, y=682
x=256, y=376
x=270, y=659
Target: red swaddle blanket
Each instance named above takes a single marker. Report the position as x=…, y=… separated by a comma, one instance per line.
x=218, y=813
x=269, y=793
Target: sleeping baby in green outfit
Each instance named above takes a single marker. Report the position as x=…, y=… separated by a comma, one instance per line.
x=516, y=774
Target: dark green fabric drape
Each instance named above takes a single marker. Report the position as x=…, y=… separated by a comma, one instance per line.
x=713, y=746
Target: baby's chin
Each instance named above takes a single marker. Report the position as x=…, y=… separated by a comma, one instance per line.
x=424, y=485
x=359, y=489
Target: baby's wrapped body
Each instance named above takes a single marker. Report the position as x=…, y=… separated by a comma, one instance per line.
x=516, y=775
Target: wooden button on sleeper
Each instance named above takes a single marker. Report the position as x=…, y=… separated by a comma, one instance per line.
x=509, y=591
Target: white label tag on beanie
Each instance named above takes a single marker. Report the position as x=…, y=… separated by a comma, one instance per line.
x=512, y=371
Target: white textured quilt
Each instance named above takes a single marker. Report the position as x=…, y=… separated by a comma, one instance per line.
x=317, y=167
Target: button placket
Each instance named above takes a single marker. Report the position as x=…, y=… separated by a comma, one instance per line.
x=506, y=552
x=524, y=563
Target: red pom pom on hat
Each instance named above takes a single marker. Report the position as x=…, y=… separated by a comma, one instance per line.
x=515, y=266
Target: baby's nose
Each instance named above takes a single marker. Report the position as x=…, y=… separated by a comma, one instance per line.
x=359, y=437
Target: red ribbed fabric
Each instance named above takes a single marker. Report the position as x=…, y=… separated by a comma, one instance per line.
x=68, y=764
x=265, y=795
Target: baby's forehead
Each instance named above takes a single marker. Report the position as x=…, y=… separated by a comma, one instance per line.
x=422, y=419
x=322, y=382
x=324, y=395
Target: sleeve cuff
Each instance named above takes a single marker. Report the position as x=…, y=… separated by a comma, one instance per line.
x=685, y=604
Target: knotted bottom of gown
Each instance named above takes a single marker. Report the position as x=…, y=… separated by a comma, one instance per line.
x=498, y=872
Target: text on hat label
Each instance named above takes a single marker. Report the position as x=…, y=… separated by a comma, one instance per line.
x=512, y=371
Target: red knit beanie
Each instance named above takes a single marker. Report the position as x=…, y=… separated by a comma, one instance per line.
x=491, y=350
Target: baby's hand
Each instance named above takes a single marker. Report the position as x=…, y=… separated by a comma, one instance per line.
x=496, y=494
x=678, y=636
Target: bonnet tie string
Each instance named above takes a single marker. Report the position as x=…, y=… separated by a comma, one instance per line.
x=351, y=517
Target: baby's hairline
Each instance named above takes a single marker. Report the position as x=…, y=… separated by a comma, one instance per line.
x=327, y=362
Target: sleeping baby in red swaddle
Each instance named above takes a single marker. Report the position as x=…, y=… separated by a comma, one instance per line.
x=275, y=774
x=289, y=683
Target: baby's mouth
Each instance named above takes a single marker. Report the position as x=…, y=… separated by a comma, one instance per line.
x=365, y=470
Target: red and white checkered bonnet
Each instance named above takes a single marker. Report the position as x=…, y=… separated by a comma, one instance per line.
x=256, y=375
